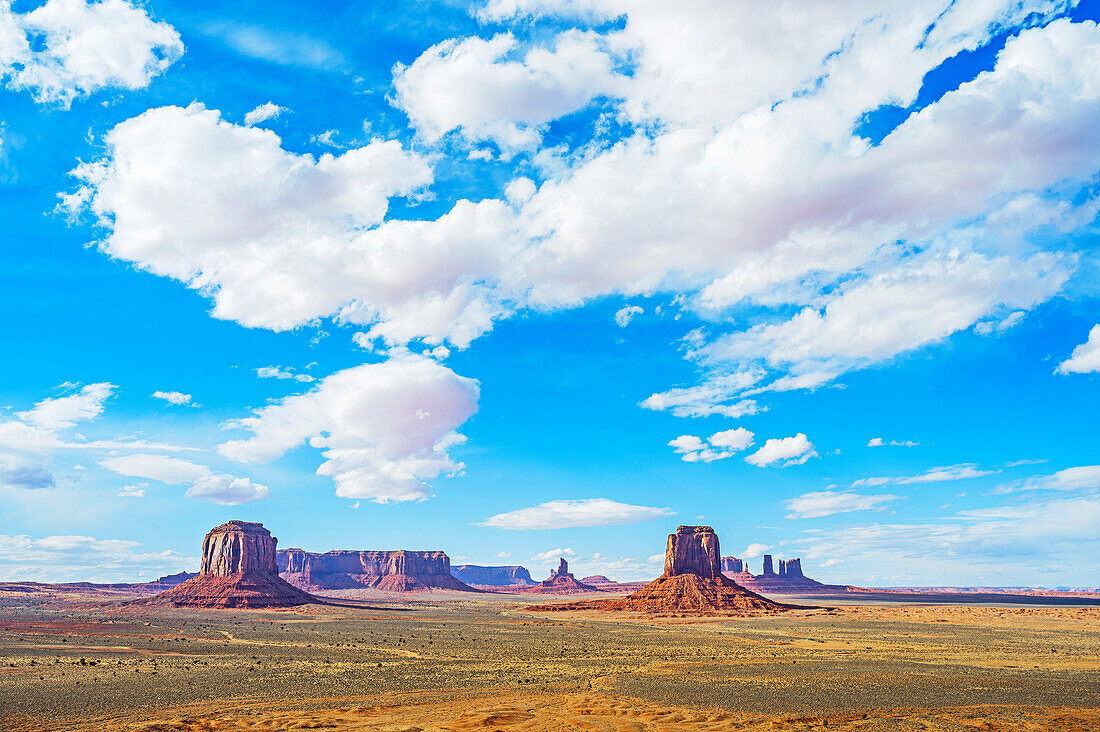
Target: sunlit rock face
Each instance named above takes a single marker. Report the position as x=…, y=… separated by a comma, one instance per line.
x=239, y=547
x=693, y=550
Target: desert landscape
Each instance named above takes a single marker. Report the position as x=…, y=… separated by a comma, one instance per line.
x=236, y=647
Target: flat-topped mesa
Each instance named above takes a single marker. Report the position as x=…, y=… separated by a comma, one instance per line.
x=348, y=569
x=794, y=569
x=473, y=574
x=238, y=547
x=238, y=571
x=693, y=550
x=732, y=565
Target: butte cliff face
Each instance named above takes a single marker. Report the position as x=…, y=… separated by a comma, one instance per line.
x=393, y=571
x=238, y=571
x=693, y=584
x=789, y=579
x=473, y=574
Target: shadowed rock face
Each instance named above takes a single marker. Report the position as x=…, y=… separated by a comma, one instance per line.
x=693, y=550
x=732, y=565
x=238, y=547
x=769, y=569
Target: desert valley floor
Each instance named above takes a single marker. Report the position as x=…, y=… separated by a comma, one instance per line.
x=447, y=662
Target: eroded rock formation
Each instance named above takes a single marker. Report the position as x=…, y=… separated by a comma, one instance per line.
x=732, y=565
x=393, y=571
x=238, y=571
x=560, y=582
x=693, y=584
x=789, y=579
x=473, y=574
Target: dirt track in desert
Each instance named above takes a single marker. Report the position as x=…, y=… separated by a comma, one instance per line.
x=446, y=664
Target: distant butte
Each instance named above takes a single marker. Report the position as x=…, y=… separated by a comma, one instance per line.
x=692, y=584
x=238, y=571
x=392, y=571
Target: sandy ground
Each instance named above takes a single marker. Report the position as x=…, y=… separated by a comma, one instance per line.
x=441, y=663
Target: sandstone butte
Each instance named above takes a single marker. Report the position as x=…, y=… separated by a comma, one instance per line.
x=392, y=571
x=692, y=584
x=238, y=571
x=560, y=582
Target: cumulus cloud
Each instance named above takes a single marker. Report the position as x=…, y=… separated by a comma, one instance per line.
x=172, y=397
x=384, y=429
x=84, y=558
x=488, y=91
x=961, y=471
x=132, y=491
x=553, y=554
x=826, y=503
x=81, y=47
x=262, y=113
x=718, y=446
x=754, y=550
x=1086, y=357
x=627, y=314
x=202, y=482
x=575, y=513
x=787, y=450
x=738, y=181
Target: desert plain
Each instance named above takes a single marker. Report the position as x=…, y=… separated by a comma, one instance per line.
x=452, y=661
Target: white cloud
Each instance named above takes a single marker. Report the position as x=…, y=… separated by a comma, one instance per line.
x=82, y=47
x=961, y=471
x=754, y=550
x=713, y=396
x=384, y=429
x=132, y=491
x=554, y=555
x=279, y=47
x=879, y=442
x=172, y=397
x=1086, y=357
x=1083, y=477
x=58, y=413
x=262, y=113
x=156, y=467
x=740, y=182
x=969, y=547
x=788, y=450
x=826, y=503
x=85, y=558
x=627, y=314
x=486, y=91
x=202, y=482
x=575, y=513
x=718, y=446
x=282, y=372
x=503, y=555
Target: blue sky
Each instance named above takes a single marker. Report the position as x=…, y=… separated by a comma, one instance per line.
x=531, y=278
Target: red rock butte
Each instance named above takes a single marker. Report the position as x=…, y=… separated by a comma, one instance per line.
x=238, y=571
x=392, y=571
x=692, y=584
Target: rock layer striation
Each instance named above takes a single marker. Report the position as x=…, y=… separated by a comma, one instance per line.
x=392, y=571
